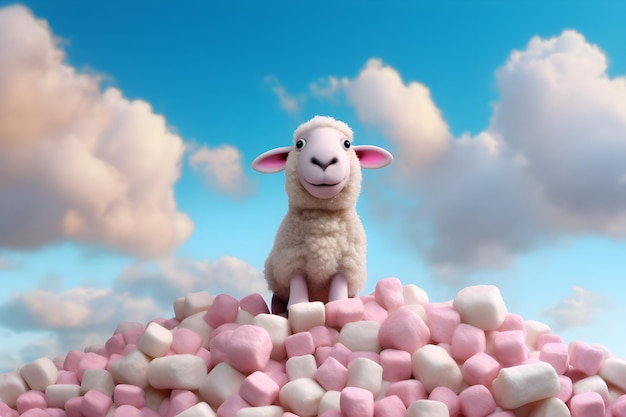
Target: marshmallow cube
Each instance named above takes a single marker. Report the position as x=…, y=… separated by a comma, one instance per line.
x=263, y=411
x=357, y=402
x=258, y=389
x=222, y=382
x=299, y=344
x=185, y=341
x=467, y=340
x=390, y=406
x=91, y=360
x=278, y=328
x=389, y=293
x=301, y=367
x=249, y=348
x=403, y=330
x=155, y=341
x=331, y=400
x=476, y=401
x=566, y=387
x=509, y=347
x=197, y=323
x=58, y=394
x=413, y=294
x=177, y=372
x=181, y=400
x=373, y=311
x=593, y=383
x=365, y=373
x=434, y=366
x=196, y=302
x=12, y=385
x=481, y=369
x=442, y=320
x=324, y=336
x=223, y=310
x=125, y=394
x=231, y=406
x=550, y=407
x=523, y=384
x=30, y=400
x=448, y=397
x=201, y=409
x=585, y=358
x=408, y=391
x=341, y=312
x=95, y=404
x=428, y=408
x=254, y=304
x=534, y=331
x=115, y=344
x=361, y=336
x=556, y=355
x=39, y=373
x=97, y=379
x=126, y=411
x=303, y=316
x=481, y=306
x=396, y=364
x=618, y=408
x=613, y=371
x=512, y=322
x=587, y=404
x=332, y=375
x=301, y=396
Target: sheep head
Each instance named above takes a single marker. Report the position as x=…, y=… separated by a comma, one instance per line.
x=322, y=167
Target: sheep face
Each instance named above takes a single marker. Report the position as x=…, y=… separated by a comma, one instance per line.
x=323, y=165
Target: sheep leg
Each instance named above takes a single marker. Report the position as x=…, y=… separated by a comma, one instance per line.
x=298, y=290
x=338, y=288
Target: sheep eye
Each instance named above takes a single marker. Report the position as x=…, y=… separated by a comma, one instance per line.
x=346, y=144
x=300, y=144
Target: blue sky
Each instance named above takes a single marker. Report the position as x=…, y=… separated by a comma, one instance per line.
x=127, y=131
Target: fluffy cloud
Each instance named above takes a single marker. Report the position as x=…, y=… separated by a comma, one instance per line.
x=77, y=162
x=551, y=162
x=579, y=309
x=222, y=169
x=288, y=102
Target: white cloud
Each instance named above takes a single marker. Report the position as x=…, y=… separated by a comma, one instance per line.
x=549, y=165
x=579, y=309
x=288, y=102
x=76, y=162
x=222, y=169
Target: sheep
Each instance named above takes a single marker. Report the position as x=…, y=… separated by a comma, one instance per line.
x=319, y=248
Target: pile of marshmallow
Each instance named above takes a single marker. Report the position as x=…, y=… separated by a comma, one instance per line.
x=388, y=354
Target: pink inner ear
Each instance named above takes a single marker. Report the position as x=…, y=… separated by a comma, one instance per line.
x=372, y=156
x=271, y=161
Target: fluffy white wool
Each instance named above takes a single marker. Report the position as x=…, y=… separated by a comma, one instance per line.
x=323, y=121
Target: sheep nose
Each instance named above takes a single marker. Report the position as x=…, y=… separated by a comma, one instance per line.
x=322, y=165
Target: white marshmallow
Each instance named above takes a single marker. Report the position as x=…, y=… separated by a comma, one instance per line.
x=593, y=383
x=179, y=308
x=550, y=407
x=183, y=371
x=534, y=329
x=361, y=336
x=414, y=295
x=613, y=370
x=434, y=367
x=196, y=302
x=523, y=384
x=302, y=396
x=98, y=379
x=481, y=306
x=428, y=408
x=155, y=340
x=278, y=328
x=12, y=385
x=201, y=409
x=243, y=317
x=39, y=373
x=58, y=394
x=222, y=382
x=365, y=373
x=330, y=401
x=303, y=316
x=263, y=411
x=132, y=369
x=197, y=323
x=303, y=366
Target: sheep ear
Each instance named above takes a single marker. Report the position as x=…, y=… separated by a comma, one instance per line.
x=272, y=161
x=373, y=157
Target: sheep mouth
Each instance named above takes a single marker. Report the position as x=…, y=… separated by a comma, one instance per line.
x=325, y=185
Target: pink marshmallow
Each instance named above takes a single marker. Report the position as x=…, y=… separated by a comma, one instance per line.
x=373, y=356
x=35, y=412
x=555, y=354
x=258, y=389
x=115, y=344
x=31, y=399
x=67, y=377
x=73, y=407
x=587, y=404
x=390, y=406
x=467, y=340
x=544, y=338
x=127, y=411
x=59, y=412
x=254, y=304
x=126, y=394
x=223, y=310
x=356, y=402
x=186, y=341
x=249, y=348
x=586, y=358
x=172, y=323
x=403, y=330
x=448, y=397
x=90, y=361
x=72, y=359
x=230, y=407
x=340, y=352
x=389, y=293
x=566, y=388
x=408, y=391
x=95, y=404
x=396, y=364
x=618, y=408
x=277, y=371
x=181, y=400
x=218, y=345
x=341, y=312
x=205, y=354
x=374, y=311
x=509, y=347
x=299, y=344
x=480, y=368
x=6, y=411
x=442, y=320
x=132, y=335
x=512, y=322
x=324, y=336
x=332, y=375
x=321, y=354
x=476, y=401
